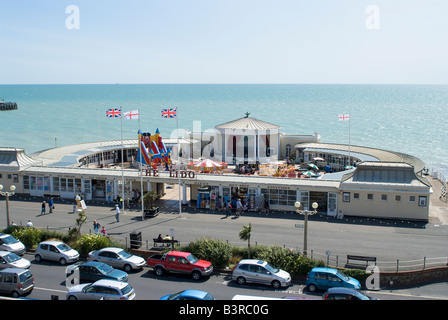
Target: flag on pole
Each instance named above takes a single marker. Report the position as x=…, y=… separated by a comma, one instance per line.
x=169, y=113
x=113, y=113
x=131, y=115
x=344, y=117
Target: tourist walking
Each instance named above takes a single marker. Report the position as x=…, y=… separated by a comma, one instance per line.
x=228, y=208
x=239, y=207
x=103, y=231
x=43, y=208
x=117, y=213
x=96, y=227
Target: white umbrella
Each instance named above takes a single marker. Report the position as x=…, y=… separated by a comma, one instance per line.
x=318, y=159
x=313, y=166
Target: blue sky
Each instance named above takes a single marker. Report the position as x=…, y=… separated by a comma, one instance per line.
x=224, y=41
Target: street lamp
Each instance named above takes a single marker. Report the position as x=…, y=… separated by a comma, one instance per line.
x=297, y=204
x=7, y=194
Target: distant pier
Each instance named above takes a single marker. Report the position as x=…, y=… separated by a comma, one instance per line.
x=5, y=106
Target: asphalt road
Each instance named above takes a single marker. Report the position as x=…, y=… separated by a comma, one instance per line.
x=389, y=241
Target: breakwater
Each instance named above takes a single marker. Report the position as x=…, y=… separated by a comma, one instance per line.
x=4, y=106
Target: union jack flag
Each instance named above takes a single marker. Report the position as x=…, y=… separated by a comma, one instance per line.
x=169, y=113
x=113, y=113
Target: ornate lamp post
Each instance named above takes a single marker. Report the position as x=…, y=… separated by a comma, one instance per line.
x=297, y=204
x=7, y=194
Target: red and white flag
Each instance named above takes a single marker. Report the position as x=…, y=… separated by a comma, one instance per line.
x=344, y=117
x=131, y=115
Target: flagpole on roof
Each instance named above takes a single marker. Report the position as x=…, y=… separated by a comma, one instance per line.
x=140, y=167
x=178, y=162
x=122, y=170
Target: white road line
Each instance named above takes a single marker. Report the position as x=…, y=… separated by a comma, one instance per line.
x=52, y=290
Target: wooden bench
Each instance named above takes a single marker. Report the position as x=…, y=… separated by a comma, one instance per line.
x=156, y=240
x=359, y=258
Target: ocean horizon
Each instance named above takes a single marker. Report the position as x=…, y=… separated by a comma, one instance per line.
x=398, y=117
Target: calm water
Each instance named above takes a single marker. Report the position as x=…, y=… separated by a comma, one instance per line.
x=405, y=118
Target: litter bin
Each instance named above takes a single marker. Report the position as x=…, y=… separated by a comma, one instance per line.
x=136, y=239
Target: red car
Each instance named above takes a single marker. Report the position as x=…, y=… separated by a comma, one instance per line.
x=181, y=262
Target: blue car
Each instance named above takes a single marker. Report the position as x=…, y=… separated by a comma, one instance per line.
x=189, y=295
x=324, y=278
x=92, y=271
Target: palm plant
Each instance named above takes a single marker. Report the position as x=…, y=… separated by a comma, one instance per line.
x=245, y=234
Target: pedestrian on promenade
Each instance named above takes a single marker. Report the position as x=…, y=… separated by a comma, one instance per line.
x=239, y=207
x=117, y=213
x=96, y=227
x=103, y=231
x=228, y=208
x=51, y=205
x=43, y=208
x=29, y=224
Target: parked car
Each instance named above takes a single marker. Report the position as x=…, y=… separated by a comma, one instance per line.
x=56, y=251
x=180, y=262
x=189, y=295
x=11, y=244
x=16, y=282
x=117, y=258
x=340, y=293
x=11, y=260
x=324, y=278
x=258, y=271
x=92, y=271
x=101, y=290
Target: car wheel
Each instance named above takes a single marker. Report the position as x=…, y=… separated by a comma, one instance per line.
x=127, y=268
x=38, y=258
x=15, y=294
x=312, y=287
x=196, y=275
x=276, y=284
x=159, y=271
x=241, y=280
x=72, y=298
x=62, y=261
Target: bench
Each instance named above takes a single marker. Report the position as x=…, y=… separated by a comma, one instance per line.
x=359, y=258
x=156, y=240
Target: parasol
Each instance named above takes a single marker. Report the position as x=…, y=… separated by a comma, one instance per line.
x=207, y=165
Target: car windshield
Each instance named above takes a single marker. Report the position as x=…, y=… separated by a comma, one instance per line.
x=271, y=269
x=63, y=247
x=124, y=255
x=9, y=240
x=105, y=268
x=25, y=276
x=12, y=257
x=192, y=259
x=342, y=276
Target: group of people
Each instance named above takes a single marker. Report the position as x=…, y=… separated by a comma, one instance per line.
x=50, y=206
x=96, y=228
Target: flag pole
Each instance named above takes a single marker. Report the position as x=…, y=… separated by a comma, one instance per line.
x=349, y=144
x=178, y=161
x=122, y=171
x=140, y=167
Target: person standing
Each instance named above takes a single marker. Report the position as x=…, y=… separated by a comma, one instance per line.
x=43, y=208
x=96, y=226
x=117, y=213
x=51, y=205
x=239, y=207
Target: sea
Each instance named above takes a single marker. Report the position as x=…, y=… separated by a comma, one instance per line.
x=411, y=119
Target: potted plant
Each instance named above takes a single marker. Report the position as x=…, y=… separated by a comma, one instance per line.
x=148, y=200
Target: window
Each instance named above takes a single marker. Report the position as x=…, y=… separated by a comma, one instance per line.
x=397, y=198
x=384, y=197
x=15, y=178
x=370, y=196
x=422, y=201
x=356, y=196
x=56, y=184
x=26, y=183
x=171, y=259
x=411, y=198
x=346, y=197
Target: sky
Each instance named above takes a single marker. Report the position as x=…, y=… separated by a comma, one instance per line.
x=224, y=41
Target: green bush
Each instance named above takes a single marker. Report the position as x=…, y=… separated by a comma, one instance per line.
x=30, y=237
x=216, y=251
x=92, y=242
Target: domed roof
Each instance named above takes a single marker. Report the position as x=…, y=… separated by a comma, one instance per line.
x=247, y=123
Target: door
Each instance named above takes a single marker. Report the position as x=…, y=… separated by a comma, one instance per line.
x=52, y=253
x=332, y=204
x=262, y=275
x=87, y=188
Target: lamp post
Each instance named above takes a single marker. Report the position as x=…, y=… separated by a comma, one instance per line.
x=7, y=194
x=297, y=204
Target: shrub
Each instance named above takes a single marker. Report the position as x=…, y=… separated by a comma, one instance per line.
x=216, y=251
x=92, y=242
x=30, y=237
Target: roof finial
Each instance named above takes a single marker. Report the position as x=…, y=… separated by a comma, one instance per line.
x=247, y=114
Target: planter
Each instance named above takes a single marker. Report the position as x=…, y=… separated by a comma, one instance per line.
x=154, y=211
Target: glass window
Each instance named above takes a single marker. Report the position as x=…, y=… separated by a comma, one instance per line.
x=384, y=197
x=56, y=184
x=26, y=183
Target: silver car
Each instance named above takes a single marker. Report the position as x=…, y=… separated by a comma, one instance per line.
x=117, y=258
x=102, y=290
x=56, y=251
x=9, y=243
x=258, y=271
x=11, y=260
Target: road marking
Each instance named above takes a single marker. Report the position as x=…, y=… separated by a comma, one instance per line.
x=53, y=290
